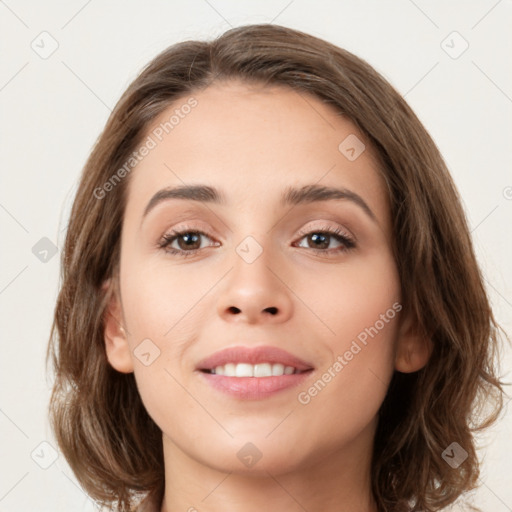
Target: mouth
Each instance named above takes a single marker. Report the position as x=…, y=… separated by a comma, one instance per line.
x=259, y=361
x=253, y=373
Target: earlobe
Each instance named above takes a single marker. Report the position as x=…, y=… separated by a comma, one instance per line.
x=116, y=343
x=413, y=349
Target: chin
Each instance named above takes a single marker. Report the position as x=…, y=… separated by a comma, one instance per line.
x=255, y=457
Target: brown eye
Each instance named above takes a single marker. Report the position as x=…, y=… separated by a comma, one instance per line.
x=319, y=240
x=188, y=242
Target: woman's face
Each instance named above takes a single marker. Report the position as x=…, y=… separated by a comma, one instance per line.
x=264, y=274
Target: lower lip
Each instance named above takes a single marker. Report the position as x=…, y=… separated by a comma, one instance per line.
x=254, y=388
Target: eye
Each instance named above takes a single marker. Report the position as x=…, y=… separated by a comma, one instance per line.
x=321, y=238
x=188, y=241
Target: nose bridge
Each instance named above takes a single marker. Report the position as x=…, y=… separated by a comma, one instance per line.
x=257, y=250
x=252, y=234
x=253, y=259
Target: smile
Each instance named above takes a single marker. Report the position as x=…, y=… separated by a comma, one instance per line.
x=253, y=370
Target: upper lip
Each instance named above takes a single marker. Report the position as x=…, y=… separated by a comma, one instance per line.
x=255, y=355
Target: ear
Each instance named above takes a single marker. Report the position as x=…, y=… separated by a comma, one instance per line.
x=413, y=348
x=116, y=342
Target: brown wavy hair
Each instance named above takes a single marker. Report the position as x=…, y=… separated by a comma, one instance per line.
x=112, y=445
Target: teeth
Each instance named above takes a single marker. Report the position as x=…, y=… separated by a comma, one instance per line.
x=254, y=370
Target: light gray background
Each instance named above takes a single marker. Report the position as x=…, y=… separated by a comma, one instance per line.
x=52, y=110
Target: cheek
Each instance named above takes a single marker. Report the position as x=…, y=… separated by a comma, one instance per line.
x=347, y=299
x=157, y=304
x=164, y=307
x=359, y=308
x=159, y=301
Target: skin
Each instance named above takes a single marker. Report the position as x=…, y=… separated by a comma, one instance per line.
x=252, y=143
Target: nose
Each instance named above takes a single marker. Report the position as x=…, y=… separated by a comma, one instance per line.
x=255, y=292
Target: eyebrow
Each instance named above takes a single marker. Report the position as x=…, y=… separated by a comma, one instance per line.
x=291, y=196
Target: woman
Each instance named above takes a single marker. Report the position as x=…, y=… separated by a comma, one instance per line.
x=263, y=301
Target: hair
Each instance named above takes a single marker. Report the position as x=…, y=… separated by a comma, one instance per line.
x=101, y=425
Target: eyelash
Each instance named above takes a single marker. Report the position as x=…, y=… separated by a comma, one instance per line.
x=337, y=233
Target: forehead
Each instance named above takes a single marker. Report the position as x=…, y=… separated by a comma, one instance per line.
x=253, y=142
